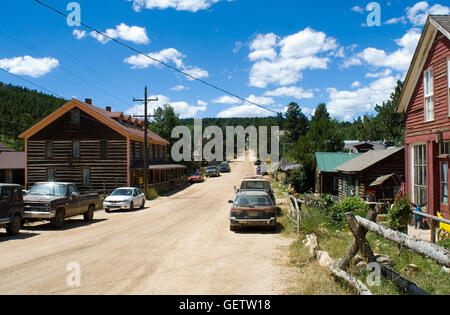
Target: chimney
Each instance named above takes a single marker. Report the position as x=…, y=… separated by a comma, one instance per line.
x=108, y=108
x=88, y=101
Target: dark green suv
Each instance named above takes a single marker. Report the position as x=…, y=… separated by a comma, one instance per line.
x=11, y=208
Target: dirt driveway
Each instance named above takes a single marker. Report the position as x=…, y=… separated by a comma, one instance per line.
x=180, y=244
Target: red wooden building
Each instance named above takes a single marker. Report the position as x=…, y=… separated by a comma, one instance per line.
x=425, y=103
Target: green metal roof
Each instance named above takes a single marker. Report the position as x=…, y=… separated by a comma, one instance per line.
x=328, y=161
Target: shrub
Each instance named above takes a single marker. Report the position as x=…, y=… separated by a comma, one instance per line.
x=299, y=180
x=355, y=206
x=400, y=214
x=151, y=194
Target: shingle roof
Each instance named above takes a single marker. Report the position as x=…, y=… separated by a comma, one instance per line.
x=12, y=160
x=129, y=129
x=367, y=159
x=442, y=22
x=5, y=148
x=328, y=161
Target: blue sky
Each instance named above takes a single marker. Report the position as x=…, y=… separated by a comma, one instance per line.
x=270, y=52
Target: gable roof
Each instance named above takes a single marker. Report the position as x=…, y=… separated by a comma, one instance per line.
x=102, y=115
x=434, y=24
x=366, y=160
x=328, y=161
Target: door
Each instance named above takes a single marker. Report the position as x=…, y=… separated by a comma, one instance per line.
x=444, y=175
x=73, y=207
x=4, y=203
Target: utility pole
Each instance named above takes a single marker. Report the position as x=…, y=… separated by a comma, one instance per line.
x=145, y=116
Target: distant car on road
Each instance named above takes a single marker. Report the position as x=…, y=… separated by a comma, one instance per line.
x=11, y=208
x=261, y=170
x=225, y=167
x=212, y=171
x=196, y=177
x=57, y=201
x=124, y=198
x=252, y=209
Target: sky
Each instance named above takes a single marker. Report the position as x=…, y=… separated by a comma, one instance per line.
x=268, y=52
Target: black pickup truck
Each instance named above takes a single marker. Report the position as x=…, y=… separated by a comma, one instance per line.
x=11, y=208
x=57, y=201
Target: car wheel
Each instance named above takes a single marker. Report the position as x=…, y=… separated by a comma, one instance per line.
x=143, y=204
x=58, y=220
x=107, y=210
x=13, y=228
x=234, y=228
x=131, y=205
x=89, y=215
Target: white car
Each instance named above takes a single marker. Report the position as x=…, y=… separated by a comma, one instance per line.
x=124, y=198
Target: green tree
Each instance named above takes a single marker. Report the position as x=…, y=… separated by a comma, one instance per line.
x=165, y=120
x=296, y=123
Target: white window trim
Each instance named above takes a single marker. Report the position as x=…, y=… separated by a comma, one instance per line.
x=429, y=95
x=448, y=85
x=412, y=174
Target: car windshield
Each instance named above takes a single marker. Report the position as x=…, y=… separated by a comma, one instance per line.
x=253, y=201
x=253, y=185
x=122, y=192
x=212, y=168
x=48, y=189
x=196, y=174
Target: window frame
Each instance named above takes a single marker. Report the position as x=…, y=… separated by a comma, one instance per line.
x=416, y=167
x=78, y=156
x=72, y=115
x=103, y=152
x=49, y=144
x=429, y=112
x=444, y=183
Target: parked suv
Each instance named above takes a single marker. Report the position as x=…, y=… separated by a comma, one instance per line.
x=253, y=208
x=11, y=208
x=225, y=167
x=257, y=184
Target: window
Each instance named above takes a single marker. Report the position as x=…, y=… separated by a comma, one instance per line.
x=86, y=177
x=429, y=95
x=75, y=118
x=448, y=83
x=48, y=149
x=420, y=175
x=357, y=187
x=336, y=183
x=444, y=148
x=103, y=149
x=51, y=174
x=76, y=149
x=444, y=183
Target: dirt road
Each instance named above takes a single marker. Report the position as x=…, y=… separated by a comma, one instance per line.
x=180, y=244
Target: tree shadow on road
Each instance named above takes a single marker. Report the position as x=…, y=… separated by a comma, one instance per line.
x=21, y=236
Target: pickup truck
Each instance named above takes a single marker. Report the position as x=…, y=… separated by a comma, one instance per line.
x=11, y=208
x=57, y=201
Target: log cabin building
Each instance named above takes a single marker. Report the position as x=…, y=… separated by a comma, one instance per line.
x=97, y=149
x=357, y=176
x=425, y=103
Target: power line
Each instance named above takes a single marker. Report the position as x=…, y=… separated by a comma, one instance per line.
x=156, y=60
x=34, y=84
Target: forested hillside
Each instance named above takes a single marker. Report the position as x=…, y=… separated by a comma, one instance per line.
x=20, y=108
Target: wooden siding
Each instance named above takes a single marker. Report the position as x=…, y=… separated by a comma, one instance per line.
x=415, y=116
x=104, y=174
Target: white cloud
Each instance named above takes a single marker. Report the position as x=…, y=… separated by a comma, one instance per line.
x=184, y=109
x=179, y=88
x=292, y=91
x=179, y=5
x=348, y=104
x=135, y=34
x=201, y=103
x=283, y=60
x=246, y=110
x=356, y=84
x=79, y=34
x=169, y=55
x=418, y=13
x=226, y=100
x=381, y=74
x=33, y=67
x=357, y=9
x=398, y=60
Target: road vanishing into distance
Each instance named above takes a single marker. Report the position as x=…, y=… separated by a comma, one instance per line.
x=178, y=244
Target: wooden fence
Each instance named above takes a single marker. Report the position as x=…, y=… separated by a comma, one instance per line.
x=360, y=227
x=295, y=212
